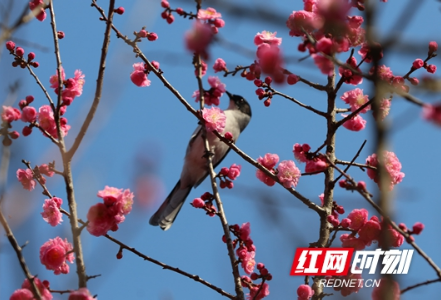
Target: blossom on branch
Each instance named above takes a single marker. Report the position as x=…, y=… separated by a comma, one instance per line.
x=215, y=119
x=54, y=254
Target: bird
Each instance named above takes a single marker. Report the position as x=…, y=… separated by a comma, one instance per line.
x=195, y=169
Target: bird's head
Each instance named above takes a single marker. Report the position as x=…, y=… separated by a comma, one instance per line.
x=239, y=103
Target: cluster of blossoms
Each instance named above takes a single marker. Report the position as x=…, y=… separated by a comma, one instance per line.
x=18, y=53
x=140, y=72
x=9, y=115
x=314, y=163
x=206, y=203
x=417, y=228
x=38, y=8
x=392, y=165
x=51, y=211
x=151, y=36
x=287, y=172
x=336, y=211
x=346, y=290
x=73, y=87
x=106, y=216
x=54, y=254
x=212, y=96
x=246, y=253
x=26, y=177
x=226, y=175
x=215, y=119
x=25, y=293
x=220, y=66
x=368, y=230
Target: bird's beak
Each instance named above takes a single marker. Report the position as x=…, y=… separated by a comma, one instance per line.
x=229, y=95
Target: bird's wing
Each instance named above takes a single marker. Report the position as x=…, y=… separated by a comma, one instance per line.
x=196, y=133
x=214, y=166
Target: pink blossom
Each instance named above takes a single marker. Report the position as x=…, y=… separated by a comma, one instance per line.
x=245, y=231
x=370, y=231
x=51, y=211
x=431, y=69
x=270, y=60
x=269, y=161
x=10, y=114
x=358, y=218
x=307, y=20
x=384, y=108
x=349, y=76
x=198, y=203
x=264, y=178
x=263, y=292
x=219, y=65
x=355, y=123
x=351, y=241
x=394, y=237
x=346, y=290
x=385, y=73
x=26, y=178
x=73, y=87
x=324, y=45
x=433, y=47
x=54, y=254
x=45, y=170
x=208, y=14
x=393, y=168
x=325, y=65
x=22, y=294
x=418, y=63
x=215, y=119
x=217, y=86
x=315, y=165
x=385, y=283
x=300, y=152
x=432, y=112
x=198, y=38
x=43, y=287
x=248, y=262
x=292, y=79
x=53, y=80
x=305, y=292
x=355, y=99
x=417, y=228
x=355, y=21
x=40, y=14
x=139, y=76
x=288, y=173
x=267, y=37
x=100, y=220
x=204, y=68
x=345, y=223
x=29, y=114
x=81, y=294
x=234, y=171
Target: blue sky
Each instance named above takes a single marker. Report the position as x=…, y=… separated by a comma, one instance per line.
x=139, y=136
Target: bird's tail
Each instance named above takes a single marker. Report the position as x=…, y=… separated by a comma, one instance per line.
x=168, y=211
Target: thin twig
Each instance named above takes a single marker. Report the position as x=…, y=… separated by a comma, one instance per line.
x=310, y=108
x=352, y=161
x=419, y=284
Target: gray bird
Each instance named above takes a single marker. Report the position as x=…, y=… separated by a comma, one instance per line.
x=195, y=168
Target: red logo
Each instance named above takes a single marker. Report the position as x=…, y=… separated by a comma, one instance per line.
x=321, y=261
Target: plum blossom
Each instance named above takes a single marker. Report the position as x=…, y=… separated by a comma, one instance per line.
x=10, y=114
x=305, y=292
x=215, y=119
x=392, y=165
x=219, y=65
x=51, y=211
x=316, y=164
x=258, y=293
x=139, y=75
x=54, y=254
x=208, y=14
x=358, y=218
x=307, y=20
x=267, y=37
x=47, y=121
x=300, y=152
x=40, y=14
x=81, y=294
x=248, y=262
x=42, y=286
x=26, y=178
x=269, y=161
x=432, y=113
x=29, y=114
x=288, y=173
x=355, y=99
x=212, y=96
x=355, y=123
x=198, y=38
x=325, y=65
x=106, y=216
